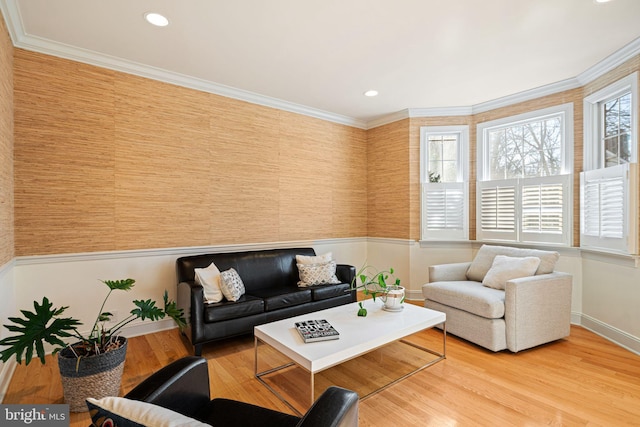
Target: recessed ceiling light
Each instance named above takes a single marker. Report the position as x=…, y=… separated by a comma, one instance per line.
x=156, y=19
x=602, y=1
x=371, y=93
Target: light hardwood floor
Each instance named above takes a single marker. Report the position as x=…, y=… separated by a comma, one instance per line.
x=581, y=381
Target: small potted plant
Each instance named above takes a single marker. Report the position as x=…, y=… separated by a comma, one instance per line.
x=91, y=366
x=382, y=284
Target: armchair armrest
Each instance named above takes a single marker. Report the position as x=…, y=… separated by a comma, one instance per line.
x=336, y=407
x=537, y=309
x=182, y=386
x=448, y=272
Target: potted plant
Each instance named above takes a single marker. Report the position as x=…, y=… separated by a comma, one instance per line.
x=381, y=284
x=91, y=366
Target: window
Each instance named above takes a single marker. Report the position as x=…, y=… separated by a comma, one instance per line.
x=524, y=177
x=608, y=185
x=444, y=178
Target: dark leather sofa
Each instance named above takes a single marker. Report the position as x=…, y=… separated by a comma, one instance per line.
x=270, y=278
x=183, y=387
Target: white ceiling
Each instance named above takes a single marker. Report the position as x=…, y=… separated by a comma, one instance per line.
x=321, y=56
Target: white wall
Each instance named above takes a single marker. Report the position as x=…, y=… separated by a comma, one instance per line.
x=606, y=290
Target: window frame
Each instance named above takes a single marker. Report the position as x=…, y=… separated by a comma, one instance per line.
x=595, y=169
x=593, y=122
x=565, y=177
x=462, y=183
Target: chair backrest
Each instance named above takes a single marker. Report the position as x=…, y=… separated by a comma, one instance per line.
x=336, y=407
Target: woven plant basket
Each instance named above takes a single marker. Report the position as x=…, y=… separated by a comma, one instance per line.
x=94, y=376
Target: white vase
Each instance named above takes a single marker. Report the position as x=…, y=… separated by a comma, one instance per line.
x=393, y=299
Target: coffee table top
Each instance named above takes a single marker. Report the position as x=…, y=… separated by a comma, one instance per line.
x=358, y=335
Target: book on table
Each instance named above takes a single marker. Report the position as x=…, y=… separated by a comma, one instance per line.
x=317, y=330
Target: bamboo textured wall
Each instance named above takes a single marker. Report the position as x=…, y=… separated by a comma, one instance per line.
x=111, y=161
x=6, y=146
x=389, y=175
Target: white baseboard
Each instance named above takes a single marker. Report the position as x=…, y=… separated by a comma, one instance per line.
x=610, y=333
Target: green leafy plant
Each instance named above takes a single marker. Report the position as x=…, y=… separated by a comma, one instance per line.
x=375, y=283
x=45, y=324
x=362, y=312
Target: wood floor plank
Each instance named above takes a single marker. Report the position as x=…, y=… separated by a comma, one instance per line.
x=580, y=381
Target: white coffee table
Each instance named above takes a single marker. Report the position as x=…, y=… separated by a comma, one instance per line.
x=358, y=335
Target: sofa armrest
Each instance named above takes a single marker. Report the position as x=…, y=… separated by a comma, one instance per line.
x=182, y=386
x=191, y=301
x=537, y=309
x=448, y=272
x=346, y=273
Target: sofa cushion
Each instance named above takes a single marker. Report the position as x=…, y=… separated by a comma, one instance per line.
x=469, y=296
x=225, y=310
x=122, y=412
x=505, y=268
x=317, y=259
x=320, y=292
x=484, y=260
x=231, y=285
x=275, y=299
x=209, y=279
x=317, y=274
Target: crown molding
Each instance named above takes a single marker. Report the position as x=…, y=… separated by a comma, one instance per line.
x=526, y=95
x=609, y=63
x=37, y=44
x=23, y=40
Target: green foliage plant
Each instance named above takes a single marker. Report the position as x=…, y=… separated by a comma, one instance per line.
x=45, y=324
x=374, y=282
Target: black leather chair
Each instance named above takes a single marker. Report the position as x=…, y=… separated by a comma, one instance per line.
x=183, y=386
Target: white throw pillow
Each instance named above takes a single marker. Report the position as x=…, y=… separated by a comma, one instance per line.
x=317, y=274
x=318, y=259
x=127, y=412
x=505, y=268
x=209, y=278
x=231, y=285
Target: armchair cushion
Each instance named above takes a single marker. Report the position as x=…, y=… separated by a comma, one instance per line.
x=467, y=295
x=506, y=268
x=483, y=260
x=123, y=412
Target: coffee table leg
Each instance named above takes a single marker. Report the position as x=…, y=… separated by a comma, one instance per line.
x=313, y=387
x=259, y=376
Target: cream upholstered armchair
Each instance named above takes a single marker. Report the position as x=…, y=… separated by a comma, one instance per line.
x=506, y=298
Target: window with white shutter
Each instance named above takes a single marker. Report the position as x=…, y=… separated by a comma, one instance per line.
x=608, y=185
x=608, y=206
x=524, y=177
x=444, y=179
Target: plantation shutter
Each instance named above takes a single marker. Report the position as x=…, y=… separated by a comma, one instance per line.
x=525, y=209
x=444, y=212
x=545, y=212
x=608, y=209
x=497, y=208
